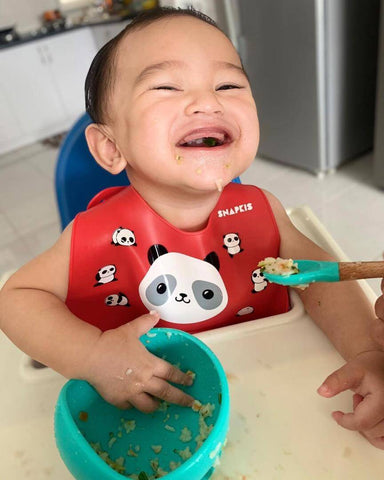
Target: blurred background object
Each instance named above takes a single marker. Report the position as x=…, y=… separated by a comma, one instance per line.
x=312, y=66
x=378, y=151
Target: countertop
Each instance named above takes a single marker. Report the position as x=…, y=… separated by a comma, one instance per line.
x=38, y=35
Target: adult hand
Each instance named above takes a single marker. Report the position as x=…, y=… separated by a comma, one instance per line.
x=364, y=375
x=126, y=374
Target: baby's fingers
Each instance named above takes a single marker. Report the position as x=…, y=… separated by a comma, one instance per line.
x=141, y=325
x=170, y=373
x=345, y=378
x=377, y=330
x=145, y=403
x=367, y=414
x=376, y=435
x=165, y=391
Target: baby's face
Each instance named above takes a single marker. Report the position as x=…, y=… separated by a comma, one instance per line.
x=182, y=111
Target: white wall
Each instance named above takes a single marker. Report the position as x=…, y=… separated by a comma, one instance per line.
x=26, y=14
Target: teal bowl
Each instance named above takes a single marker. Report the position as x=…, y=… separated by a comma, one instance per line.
x=99, y=441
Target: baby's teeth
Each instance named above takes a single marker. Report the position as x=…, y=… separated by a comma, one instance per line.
x=198, y=141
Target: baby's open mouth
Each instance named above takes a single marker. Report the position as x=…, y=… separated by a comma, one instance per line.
x=203, y=142
x=213, y=139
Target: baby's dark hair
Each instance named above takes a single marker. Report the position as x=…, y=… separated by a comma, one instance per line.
x=101, y=75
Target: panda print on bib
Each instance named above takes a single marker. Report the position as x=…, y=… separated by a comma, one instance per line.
x=181, y=288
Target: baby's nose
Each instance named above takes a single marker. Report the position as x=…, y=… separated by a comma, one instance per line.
x=204, y=102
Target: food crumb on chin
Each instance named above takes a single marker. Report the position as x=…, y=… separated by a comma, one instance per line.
x=219, y=184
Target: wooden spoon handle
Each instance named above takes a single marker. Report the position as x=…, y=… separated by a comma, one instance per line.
x=356, y=270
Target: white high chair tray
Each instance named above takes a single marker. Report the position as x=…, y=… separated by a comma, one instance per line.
x=280, y=427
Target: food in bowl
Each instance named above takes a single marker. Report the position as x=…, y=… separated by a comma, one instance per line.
x=97, y=440
x=185, y=435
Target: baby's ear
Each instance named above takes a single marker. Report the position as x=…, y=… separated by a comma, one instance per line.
x=104, y=149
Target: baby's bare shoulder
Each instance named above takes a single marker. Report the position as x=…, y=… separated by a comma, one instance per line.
x=278, y=210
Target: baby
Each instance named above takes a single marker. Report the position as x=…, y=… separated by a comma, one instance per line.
x=172, y=106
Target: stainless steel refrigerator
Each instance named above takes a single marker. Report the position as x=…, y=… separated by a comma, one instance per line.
x=312, y=66
x=378, y=152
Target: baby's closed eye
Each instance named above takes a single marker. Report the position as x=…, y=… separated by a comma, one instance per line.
x=228, y=86
x=165, y=87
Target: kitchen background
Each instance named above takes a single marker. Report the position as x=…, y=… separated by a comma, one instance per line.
x=316, y=71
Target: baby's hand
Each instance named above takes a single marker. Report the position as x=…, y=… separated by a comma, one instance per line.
x=364, y=375
x=126, y=374
x=378, y=324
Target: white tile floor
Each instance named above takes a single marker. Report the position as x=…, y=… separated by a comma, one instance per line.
x=347, y=202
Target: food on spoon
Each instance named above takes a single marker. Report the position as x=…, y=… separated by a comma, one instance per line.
x=281, y=266
x=278, y=266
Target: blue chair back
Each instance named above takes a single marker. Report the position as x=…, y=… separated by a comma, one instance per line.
x=78, y=177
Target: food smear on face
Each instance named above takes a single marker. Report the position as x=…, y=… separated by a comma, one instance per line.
x=219, y=184
x=278, y=266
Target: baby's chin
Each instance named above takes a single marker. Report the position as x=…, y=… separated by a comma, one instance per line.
x=206, y=183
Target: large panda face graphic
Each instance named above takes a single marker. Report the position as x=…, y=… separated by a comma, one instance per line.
x=181, y=288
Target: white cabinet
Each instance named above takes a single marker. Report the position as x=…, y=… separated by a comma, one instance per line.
x=29, y=94
x=42, y=86
x=70, y=56
x=10, y=129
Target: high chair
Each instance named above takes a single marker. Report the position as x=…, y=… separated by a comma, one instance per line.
x=78, y=177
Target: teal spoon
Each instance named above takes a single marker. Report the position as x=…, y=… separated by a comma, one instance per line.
x=319, y=271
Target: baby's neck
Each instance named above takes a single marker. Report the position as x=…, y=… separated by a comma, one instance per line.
x=185, y=212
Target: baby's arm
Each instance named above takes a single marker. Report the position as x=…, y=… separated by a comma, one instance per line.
x=34, y=316
x=344, y=313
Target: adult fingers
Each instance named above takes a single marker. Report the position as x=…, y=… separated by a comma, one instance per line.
x=345, y=378
x=165, y=391
x=165, y=370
